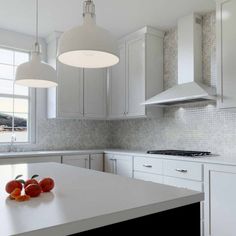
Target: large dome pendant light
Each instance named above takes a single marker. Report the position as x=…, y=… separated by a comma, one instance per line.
x=35, y=73
x=88, y=46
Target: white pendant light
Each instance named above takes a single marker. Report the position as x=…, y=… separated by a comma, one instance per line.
x=35, y=73
x=88, y=46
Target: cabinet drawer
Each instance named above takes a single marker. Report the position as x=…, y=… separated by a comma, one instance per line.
x=148, y=177
x=147, y=164
x=183, y=183
x=181, y=169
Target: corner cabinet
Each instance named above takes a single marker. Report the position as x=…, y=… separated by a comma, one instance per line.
x=80, y=94
x=220, y=203
x=226, y=53
x=138, y=76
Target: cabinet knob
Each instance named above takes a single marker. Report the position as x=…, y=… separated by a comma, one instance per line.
x=181, y=170
x=147, y=166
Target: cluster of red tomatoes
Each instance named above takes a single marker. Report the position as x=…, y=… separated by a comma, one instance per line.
x=32, y=188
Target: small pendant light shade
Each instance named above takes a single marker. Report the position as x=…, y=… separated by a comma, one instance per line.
x=35, y=73
x=88, y=46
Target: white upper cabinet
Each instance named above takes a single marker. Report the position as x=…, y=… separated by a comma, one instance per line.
x=226, y=53
x=135, y=92
x=80, y=93
x=138, y=76
x=95, y=81
x=117, y=87
x=69, y=91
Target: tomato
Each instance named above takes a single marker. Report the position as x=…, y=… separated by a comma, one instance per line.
x=12, y=185
x=47, y=184
x=31, y=181
x=33, y=190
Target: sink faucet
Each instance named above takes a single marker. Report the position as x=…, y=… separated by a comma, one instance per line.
x=11, y=146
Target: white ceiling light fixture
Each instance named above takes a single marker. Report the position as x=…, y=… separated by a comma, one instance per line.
x=35, y=73
x=88, y=46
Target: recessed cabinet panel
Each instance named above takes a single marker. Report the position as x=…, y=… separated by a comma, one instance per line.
x=220, y=205
x=136, y=77
x=117, y=87
x=70, y=91
x=95, y=93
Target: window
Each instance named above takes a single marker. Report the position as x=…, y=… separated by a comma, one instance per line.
x=14, y=99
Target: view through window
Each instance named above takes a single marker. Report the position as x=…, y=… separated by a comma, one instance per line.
x=14, y=99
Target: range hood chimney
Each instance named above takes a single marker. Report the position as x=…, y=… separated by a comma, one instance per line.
x=190, y=87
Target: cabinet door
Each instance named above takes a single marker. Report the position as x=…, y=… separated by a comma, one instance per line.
x=123, y=165
x=70, y=92
x=117, y=90
x=109, y=163
x=227, y=53
x=135, y=54
x=77, y=160
x=96, y=162
x=95, y=83
x=220, y=204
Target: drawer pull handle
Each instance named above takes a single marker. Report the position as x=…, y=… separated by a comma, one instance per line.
x=147, y=166
x=181, y=170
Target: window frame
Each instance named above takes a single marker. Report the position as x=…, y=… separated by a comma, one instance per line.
x=31, y=106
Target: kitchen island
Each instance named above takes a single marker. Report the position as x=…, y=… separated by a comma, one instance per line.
x=86, y=202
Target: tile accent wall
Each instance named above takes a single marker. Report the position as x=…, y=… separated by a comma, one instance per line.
x=194, y=127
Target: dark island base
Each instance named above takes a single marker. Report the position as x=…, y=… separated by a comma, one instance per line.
x=182, y=221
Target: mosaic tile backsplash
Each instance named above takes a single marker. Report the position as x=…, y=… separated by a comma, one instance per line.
x=194, y=127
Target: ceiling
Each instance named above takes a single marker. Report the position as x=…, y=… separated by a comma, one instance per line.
x=118, y=16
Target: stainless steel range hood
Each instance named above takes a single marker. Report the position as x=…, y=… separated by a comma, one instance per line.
x=190, y=87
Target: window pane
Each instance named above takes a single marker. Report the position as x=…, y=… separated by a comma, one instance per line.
x=20, y=127
x=6, y=56
x=21, y=105
x=6, y=104
x=5, y=127
x=6, y=86
x=21, y=90
x=21, y=57
x=6, y=72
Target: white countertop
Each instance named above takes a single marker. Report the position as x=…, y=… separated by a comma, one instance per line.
x=83, y=200
x=213, y=159
x=49, y=153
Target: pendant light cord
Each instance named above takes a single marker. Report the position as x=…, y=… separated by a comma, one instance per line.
x=37, y=49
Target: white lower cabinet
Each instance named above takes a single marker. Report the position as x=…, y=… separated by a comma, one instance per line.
x=119, y=164
x=96, y=162
x=220, y=200
x=26, y=160
x=77, y=160
x=148, y=177
x=88, y=161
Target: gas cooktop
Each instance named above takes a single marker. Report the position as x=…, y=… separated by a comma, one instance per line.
x=179, y=153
